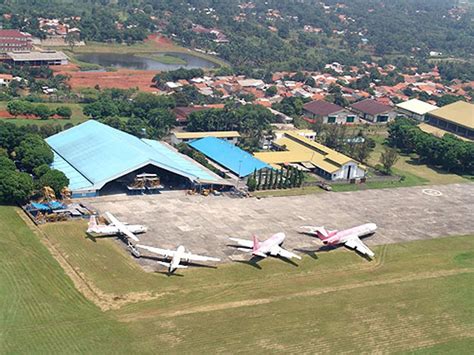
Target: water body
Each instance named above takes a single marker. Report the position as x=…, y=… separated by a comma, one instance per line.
x=130, y=61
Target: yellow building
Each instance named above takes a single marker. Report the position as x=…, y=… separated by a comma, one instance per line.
x=296, y=149
x=457, y=118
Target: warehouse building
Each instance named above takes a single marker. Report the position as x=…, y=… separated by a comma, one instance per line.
x=306, y=154
x=228, y=156
x=99, y=159
x=457, y=118
x=38, y=58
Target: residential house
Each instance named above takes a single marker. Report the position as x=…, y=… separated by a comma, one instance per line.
x=327, y=112
x=374, y=111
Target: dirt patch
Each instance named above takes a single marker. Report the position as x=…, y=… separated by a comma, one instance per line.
x=6, y=114
x=161, y=41
x=121, y=79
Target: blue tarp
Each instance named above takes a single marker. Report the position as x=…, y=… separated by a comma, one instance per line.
x=228, y=155
x=40, y=206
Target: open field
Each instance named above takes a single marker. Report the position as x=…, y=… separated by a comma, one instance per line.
x=415, y=296
x=76, y=118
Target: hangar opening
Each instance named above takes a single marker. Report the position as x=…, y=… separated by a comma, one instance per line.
x=101, y=160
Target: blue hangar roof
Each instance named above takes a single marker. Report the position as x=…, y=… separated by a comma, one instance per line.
x=93, y=154
x=228, y=155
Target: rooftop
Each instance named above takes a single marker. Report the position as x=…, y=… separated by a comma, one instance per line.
x=27, y=56
x=228, y=155
x=460, y=112
x=197, y=135
x=92, y=154
x=371, y=107
x=302, y=150
x=322, y=108
x=417, y=106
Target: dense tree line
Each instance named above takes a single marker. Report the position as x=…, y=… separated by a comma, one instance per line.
x=20, y=107
x=24, y=165
x=252, y=121
x=140, y=114
x=449, y=152
x=271, y=179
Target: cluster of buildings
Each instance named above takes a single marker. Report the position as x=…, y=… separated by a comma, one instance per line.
x=16, y=48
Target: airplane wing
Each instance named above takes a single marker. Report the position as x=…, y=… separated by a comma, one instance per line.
x=243, y=242
x=121, y=227
x=287, y=254
x=163, y=252
x=195, y=257
x=356, y=243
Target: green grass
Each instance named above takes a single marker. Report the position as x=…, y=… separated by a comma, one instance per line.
x=76, y=118
x=408, y=166
x=414, y=297
x=40, y=310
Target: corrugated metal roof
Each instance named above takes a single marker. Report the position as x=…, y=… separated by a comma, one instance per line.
x=228, y=155
x=417, y=106
x=27, y=56
x=92, y=154
x=460, y=112
x=197, y=135
x=302, y=150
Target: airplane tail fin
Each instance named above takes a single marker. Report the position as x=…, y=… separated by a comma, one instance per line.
x=320, y=232
x=92, y=223
x=256, y=243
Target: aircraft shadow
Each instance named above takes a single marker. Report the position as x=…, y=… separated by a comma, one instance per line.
x=168, y=274
x=310, y=253
x=253, y=261
x=288, y=261
x=157, y=258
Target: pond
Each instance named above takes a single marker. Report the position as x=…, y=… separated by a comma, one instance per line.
x=136, y=62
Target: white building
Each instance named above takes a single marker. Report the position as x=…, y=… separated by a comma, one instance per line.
x=415, y=108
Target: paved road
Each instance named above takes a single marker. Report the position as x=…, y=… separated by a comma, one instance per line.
x=203, y=224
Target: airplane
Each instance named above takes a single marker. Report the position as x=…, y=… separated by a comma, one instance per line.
x=271, y=246
x=115, y=227
x=176, y=256
x=349, y=237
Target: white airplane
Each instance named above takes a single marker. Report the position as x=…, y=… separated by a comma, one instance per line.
x=115, y=227
x=176, y=256
x=271, y=246
x=349, y=237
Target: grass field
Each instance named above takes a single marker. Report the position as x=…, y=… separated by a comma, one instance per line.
x=414, y=297
x=76, y=118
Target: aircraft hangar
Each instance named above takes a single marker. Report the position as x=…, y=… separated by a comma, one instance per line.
x=101, y=160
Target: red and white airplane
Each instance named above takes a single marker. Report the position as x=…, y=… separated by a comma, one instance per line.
x=349, y=237
x=115, y=227
x=271, y=246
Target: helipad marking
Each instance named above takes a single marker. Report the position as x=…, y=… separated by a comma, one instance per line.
x=431, y=192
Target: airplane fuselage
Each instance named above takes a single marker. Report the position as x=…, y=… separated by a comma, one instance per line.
x=339, y=237
x=176, y=258
x=112, y=230
x=270, y=246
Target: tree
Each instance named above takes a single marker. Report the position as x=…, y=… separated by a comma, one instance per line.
x=271, y=91
x=15, y=187
x=71, y=39
x=251, y=183
x=33, y=151
x=388, y=158
x=64, y=112
x=42, y=111
x=54, y=179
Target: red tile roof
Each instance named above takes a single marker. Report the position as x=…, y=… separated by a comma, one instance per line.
x=322, y=108
x=371, y=107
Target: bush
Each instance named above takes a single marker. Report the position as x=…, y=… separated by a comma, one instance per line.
x=64, y=112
